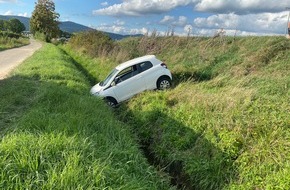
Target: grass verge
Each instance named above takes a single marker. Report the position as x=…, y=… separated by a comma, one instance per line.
x=54, y=135
x=8, y=43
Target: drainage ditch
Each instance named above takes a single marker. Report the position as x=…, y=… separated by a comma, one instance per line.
x=174, y=169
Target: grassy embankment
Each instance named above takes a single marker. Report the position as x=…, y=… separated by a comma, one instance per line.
x=8, y=41
x=225, y=124
x=54, y=135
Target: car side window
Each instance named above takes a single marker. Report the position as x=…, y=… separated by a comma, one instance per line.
x=145, y=66
x=127, y=73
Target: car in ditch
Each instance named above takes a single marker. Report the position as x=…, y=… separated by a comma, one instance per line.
x=133, y=77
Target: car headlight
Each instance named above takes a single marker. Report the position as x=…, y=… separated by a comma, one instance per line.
x=96, y=93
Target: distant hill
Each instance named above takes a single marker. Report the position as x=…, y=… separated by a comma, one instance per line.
x=67, y=26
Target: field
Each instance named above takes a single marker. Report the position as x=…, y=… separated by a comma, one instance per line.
x=223, y=125
x=54, y=135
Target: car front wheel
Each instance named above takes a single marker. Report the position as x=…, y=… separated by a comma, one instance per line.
x=111, y=102
x=163, y=83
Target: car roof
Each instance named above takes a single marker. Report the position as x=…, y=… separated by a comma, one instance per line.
x=135, y=61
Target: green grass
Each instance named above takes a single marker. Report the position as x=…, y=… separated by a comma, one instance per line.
x=54, y=135
x=227, y=118
x=8, y=43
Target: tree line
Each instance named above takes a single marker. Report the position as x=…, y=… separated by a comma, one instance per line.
x=13, y=25
x=43, y=22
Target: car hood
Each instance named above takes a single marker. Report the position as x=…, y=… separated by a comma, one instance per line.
x=96, y=89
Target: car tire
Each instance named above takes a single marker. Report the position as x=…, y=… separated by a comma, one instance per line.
x=111, y=102
x=163, y=83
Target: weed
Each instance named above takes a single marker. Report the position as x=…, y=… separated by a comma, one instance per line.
x=7, y=42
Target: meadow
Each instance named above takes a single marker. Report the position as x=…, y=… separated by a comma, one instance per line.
x=54, y=135
x=224, y=124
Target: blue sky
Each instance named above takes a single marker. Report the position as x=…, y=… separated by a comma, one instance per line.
x=197, y=17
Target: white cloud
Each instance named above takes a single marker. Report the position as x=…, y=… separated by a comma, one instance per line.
x=257, y=23
x=171, y=21
x=212, y=32
x=241, y=6
x=8, y=1
x=141, y=7
x=182, y=20
x=188, y=28
x=121, y=29
x=237, y=17
x=104, y=4
x=139, y=31
x=112, y=28
x=167, y=20
x=8, y=13
x=23, y=14
x=119, y=23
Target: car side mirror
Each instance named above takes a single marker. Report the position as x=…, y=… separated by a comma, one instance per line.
x=115, y=81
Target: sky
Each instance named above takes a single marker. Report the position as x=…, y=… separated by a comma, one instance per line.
x=184, y=17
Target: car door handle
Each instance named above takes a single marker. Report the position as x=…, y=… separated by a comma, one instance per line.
x=139, y=76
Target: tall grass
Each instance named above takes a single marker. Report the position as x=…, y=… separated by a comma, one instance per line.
x=7, y=42
x=226, y=121
x=54, y=135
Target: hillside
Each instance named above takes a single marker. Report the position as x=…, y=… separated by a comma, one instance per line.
x=66, y=26
x=225, y=124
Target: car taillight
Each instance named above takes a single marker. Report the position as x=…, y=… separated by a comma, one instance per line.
x=164, y=65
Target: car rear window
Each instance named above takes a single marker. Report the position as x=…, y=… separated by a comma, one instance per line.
x=146, y=65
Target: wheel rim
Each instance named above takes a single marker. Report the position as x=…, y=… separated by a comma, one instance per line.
x=112, y=104
x=164, y=84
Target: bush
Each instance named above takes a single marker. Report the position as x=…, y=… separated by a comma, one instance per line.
x=93, y=43
x=41, y=36
x=9, y=34
x=10, y=40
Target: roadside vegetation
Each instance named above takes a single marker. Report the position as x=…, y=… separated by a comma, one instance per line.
x=54, y=135
x=10, y=40
x=10, y=34
x=44, y=21
x=225, y=124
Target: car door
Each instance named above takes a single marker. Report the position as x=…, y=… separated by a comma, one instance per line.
x=128, y=83
x=148, y=74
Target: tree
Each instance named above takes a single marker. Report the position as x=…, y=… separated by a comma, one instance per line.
x=44, y=19
x=14, y=25
x=2, y=25
x=6, y=25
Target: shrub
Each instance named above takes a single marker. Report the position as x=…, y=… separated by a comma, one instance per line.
x=92, y=42
x=9, y=34
x=41, y=36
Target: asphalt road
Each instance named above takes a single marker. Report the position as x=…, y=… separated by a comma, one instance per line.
x=9, y=59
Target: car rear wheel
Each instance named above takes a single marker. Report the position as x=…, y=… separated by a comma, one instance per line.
x=163, y=83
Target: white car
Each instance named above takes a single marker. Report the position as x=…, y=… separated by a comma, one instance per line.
x=133, y=77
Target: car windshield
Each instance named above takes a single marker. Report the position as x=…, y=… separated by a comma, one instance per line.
x=108, y=78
